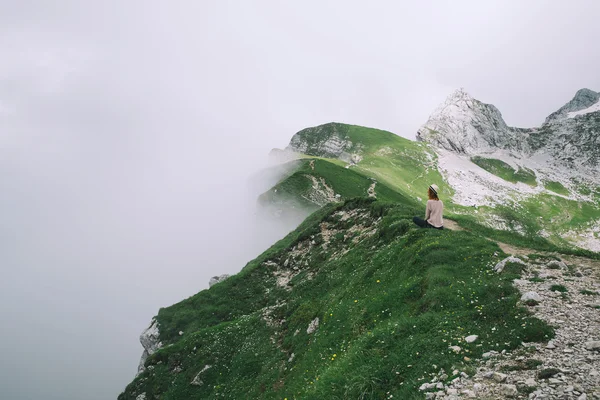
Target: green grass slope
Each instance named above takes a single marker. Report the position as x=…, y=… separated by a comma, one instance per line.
x=505, y=171
x=296, y=189
x=390, y=300
x=406, y=166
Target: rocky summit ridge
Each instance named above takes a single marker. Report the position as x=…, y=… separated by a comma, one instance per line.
x=571, y=135
x=465, y=125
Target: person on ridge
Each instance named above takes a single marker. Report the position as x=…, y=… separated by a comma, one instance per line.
x=433, y=211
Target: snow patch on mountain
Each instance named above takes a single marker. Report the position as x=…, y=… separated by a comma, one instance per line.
x=593, y=108
x=584, y=98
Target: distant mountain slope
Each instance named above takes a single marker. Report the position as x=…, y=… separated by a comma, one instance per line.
x=566, y=148
x=546, y=179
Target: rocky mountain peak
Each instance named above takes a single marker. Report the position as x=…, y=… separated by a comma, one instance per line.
x=458, y=95
x=583, y=99
x=465, y=125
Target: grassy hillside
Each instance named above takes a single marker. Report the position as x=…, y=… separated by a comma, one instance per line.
x=505, y=171
x=389, y=298
x=403, y=165
x=297, y=189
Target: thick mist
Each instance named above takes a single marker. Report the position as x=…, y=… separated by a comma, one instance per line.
x=132, y=136
x=96, y=238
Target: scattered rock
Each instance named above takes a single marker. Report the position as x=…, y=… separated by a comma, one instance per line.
x=554, y=264
x=509, y=390
x=471, y=338
x=197, y=381
x=455, y=349
x=499, y=377
x=530, y=382
x=527, y=296
x=312, y=327
x=500, y=266
x=593, y=345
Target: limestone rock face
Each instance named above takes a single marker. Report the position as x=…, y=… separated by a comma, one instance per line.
x=465, y=125
x=312, y=327
x=150, y=342
x=329, y=140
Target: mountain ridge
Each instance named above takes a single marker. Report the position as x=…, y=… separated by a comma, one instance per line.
x=359, y=303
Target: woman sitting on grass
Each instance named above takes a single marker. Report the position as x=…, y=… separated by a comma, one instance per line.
x=433, y=211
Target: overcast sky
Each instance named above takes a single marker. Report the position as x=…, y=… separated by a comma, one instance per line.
x=128, y=130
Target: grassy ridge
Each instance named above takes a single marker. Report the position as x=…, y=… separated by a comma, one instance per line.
x=294, y=189
x=390, y=299
x=403, y=165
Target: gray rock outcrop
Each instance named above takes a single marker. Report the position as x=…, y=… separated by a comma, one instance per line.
x=328, y=140
x=150, y=342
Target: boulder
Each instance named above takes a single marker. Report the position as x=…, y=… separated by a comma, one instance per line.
x=531, y=296
x=509, y=390
x=471, y=338
x=593, y=345
x=500, y=266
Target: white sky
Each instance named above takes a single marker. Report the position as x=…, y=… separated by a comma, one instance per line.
x=127, y=130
